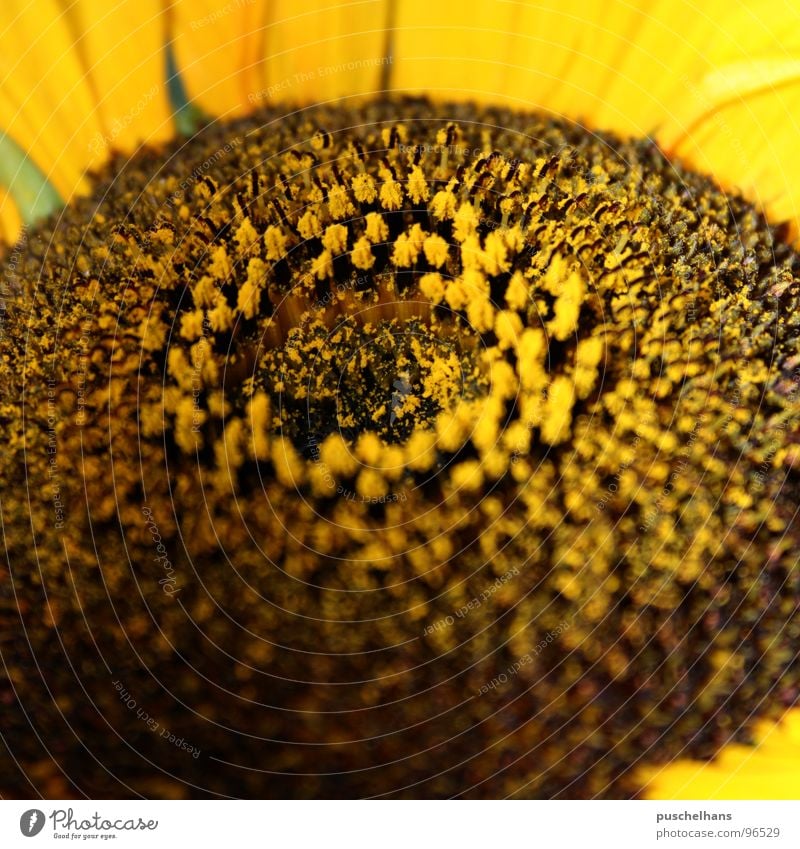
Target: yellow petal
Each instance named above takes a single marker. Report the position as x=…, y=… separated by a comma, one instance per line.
x=768, y=770
x=219, y=51
x=563, y=56
x=318, y=51
x=452, y=50
x=121, y=49
x=616, y=63
x=10, y=221
x=46, y=102
x=235, y=55
x=751, y=144
x=711, y=81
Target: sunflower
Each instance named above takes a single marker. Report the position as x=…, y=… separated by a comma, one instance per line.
x=399, y=400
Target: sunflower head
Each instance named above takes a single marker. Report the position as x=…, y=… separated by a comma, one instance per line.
x=402, y=430
x=421, y=442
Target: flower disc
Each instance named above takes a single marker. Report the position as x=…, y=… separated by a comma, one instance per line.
x=399, y=450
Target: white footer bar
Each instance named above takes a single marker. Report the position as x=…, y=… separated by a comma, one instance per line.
x=400, y=824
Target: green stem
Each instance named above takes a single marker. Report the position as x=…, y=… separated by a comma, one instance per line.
x=185, y=115
x=34, y=195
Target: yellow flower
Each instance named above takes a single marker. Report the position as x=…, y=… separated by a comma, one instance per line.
x=717, y=86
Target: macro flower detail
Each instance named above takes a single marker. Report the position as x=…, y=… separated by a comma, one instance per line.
x=453, y=451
